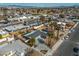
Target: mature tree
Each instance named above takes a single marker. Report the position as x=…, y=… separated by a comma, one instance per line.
x=31, y=42
x=42, y=19
x=49, y=20
x=61, y=15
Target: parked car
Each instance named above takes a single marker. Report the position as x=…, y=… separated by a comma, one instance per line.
x=76, y=49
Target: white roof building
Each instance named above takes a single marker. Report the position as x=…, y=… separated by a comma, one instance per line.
x=3, y=32
x=8, y=38
x=61, y=23
x=17, y=18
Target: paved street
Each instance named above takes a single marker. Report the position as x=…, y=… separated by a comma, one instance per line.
x=66, y=48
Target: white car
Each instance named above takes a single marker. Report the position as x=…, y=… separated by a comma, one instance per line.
x=67, y=38
x=70, y=31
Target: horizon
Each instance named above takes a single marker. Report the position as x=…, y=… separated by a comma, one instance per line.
x=40, y=4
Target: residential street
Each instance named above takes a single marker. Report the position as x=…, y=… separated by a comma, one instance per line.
x=66, y=48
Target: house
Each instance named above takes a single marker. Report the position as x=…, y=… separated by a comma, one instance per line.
x=15, y=27
x=18, y=18
x=62, y=25
x=39, y=27
x=39, y=40
x=35, y=34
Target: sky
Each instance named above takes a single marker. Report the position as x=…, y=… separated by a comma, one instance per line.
x=41, y=4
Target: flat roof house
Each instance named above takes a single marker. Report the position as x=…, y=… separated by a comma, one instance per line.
x=39, y=39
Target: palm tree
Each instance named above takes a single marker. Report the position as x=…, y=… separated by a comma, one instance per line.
x=50, y=35
x=58, y=29
x=50, y=26
x=55, y=26
x=49, y=38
